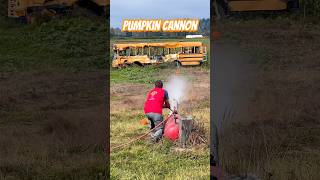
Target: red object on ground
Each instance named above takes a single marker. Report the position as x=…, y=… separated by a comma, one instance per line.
x=216, y=35
x=144, y=121
x=171, y=129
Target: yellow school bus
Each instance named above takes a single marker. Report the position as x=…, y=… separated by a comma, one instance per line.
x=29, y=8
x=181, y=53
x=225, y=6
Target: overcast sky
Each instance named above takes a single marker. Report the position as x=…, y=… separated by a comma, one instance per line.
x=157, y=9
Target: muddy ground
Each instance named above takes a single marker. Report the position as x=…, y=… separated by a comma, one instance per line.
x=53, y=125
x=53, y=81
x=131, y=96
x=278, y=136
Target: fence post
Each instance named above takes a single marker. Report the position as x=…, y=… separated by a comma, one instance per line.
x=185, y=127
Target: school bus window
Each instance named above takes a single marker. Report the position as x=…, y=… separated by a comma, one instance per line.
x=128, y=52
x=197, y=50
x=186, y=50
x=160, y=51
x=132, y=52
x=157, y=53
x=121, y=53
x=139, y=51
x=115, y=55
x=151, y=50
x=192, y=50
x=166, y=51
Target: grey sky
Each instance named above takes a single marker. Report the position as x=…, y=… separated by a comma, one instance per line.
x=157, y=9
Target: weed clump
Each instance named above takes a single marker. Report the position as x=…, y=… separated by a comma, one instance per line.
x=198, y=134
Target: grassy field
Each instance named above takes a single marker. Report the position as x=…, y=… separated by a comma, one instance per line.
x=142, y=160
x=281, y=138
x=60, y=43
x=52, y=90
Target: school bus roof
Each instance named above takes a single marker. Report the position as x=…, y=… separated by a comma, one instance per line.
x=123, y=46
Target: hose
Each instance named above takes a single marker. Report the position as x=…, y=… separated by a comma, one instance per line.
x=138, y=138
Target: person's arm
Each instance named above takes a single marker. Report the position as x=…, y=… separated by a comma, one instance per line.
x=166, y=104
x=166, y=100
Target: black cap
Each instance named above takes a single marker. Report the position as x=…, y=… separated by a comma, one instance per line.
x=158, y=84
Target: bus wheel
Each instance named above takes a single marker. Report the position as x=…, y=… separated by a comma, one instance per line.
x=125, y=65
x=121, y=66
x=137, y=64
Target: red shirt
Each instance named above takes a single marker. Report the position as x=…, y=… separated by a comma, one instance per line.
x=154, y=101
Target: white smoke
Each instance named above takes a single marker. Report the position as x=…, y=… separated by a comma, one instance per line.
x=176, y=87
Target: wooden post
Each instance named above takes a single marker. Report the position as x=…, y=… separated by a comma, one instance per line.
x=185, y=126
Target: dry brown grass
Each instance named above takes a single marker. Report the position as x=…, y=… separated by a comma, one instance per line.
x=141, y=160
x=53, y=125
x=281, y=139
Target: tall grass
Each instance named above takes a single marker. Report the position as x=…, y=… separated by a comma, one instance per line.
x=310, y=7
x=52, y=86
x=142, y=160
x=279, y=140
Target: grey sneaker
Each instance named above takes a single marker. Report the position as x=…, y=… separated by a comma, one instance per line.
x=152, y=140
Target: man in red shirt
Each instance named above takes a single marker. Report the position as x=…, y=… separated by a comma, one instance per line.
x=157, y=99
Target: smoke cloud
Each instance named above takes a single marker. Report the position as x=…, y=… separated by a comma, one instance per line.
x=176, y=87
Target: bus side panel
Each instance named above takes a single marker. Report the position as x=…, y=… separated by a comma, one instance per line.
x=18, y=8
x=257, y=5
x=193, y=63
x=190, y=59
x=190, y=55
x=141, y=59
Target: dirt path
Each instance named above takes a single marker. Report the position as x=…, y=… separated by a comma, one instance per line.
x=197, y=91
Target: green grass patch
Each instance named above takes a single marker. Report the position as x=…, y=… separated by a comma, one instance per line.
x=142, y=160
x=72, y=42
x=134, y=74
